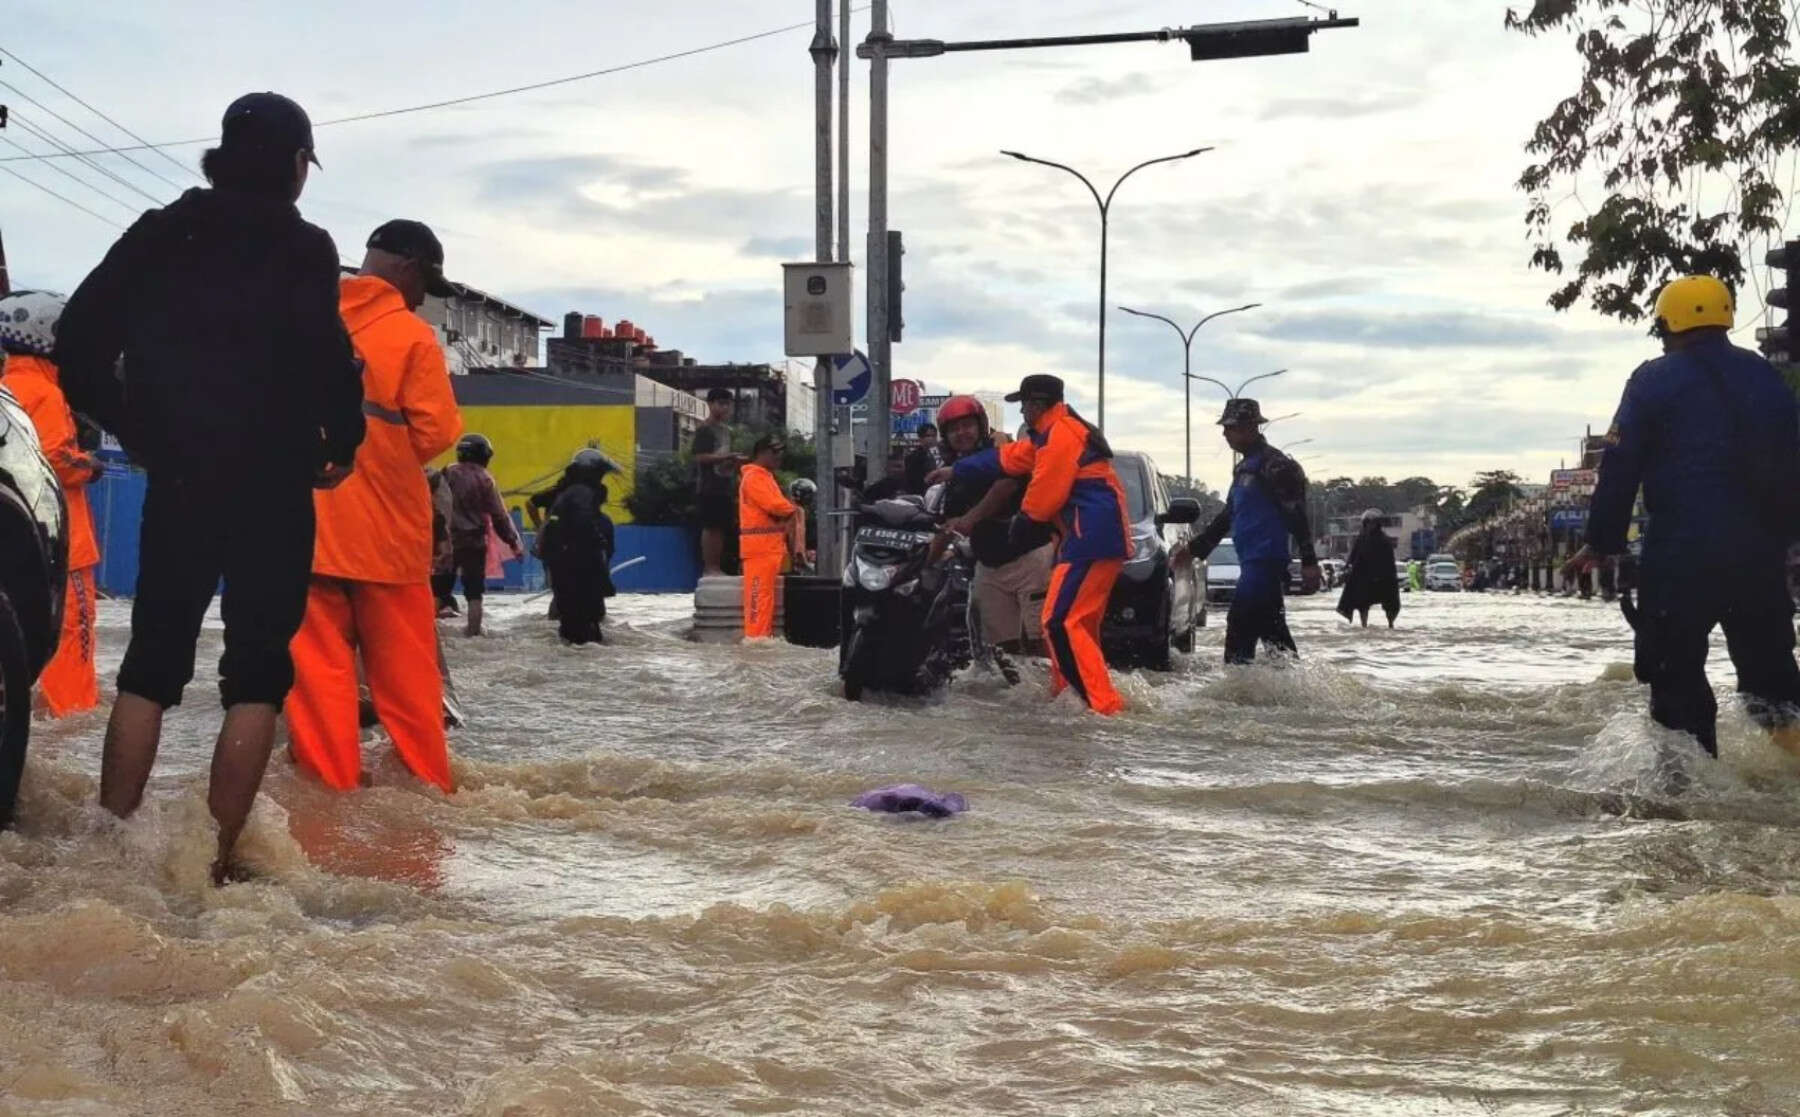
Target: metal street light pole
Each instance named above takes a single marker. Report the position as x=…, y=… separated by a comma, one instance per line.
x=824, y=51
x=1187, y=370
x=1105, y=205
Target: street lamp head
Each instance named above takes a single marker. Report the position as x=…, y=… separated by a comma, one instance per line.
x=1016, y=155
x=1196, y=151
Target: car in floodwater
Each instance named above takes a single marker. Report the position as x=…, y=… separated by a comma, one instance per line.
x=34, y=555
x=1154, y=608
x=1444, y=577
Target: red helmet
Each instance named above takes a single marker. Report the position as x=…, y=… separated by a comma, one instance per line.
x=957, y=408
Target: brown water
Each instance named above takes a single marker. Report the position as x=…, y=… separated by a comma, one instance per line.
x=1423, y=873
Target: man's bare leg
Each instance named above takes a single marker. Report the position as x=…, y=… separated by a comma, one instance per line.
x=712, y=552
x=473, y=628
x=132, y=734
x=239, y=759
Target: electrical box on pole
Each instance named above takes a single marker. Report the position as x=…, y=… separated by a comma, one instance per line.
x=1777, y=340
x=896, y=284
x=818, y=321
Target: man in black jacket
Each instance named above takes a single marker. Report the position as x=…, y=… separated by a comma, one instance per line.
x=239, y=394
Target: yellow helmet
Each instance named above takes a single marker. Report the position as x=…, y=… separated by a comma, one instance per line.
x=1694, y=301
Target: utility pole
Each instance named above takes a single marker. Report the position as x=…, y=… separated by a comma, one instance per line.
x=824, y=51
x=881, y=349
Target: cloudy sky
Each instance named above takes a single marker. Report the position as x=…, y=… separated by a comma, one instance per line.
x=1362, y=193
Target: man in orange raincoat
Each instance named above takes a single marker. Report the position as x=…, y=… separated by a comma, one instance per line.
x=766, y=533
x=1074, y=491
x=371, y=586
x=28, y=334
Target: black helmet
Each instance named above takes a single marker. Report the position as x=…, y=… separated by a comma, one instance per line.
x=474, y=448
x=590, y=464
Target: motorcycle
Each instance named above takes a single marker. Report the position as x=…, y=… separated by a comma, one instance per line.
x=909, y=623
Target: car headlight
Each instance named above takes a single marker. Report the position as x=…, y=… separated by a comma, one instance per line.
x=22, y=457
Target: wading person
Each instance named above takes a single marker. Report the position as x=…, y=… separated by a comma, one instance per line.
x=715, y=478
x=239, y=396
x=475, y=506
x=1266, y=505
x=371, y=583
x=766, y=533
x=69, y=683
x=1072, y=489
x=577, y=548
x=1372, y=579
x=1709, y=432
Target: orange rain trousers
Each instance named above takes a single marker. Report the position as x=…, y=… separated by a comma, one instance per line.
x=1073, y=609
x=69, y=684
x=762, y=574
x=396, y=628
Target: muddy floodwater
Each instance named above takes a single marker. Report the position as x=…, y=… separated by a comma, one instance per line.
x=1425, y=872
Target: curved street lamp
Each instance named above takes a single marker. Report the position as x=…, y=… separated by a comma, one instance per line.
x=1105, y=205
x=1187, y=369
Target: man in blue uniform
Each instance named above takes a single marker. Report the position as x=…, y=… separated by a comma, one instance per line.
x=1266, y=505
x=1710, y=432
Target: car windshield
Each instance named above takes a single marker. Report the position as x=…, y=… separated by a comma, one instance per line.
x=1137, y=495
x=1225, y=554
x=1445, y=568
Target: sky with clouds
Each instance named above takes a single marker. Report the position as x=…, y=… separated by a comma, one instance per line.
x=1362, y=193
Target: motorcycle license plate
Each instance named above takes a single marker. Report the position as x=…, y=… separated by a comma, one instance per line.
x=890, y=537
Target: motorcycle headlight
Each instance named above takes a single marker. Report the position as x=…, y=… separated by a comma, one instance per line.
x=874, y=578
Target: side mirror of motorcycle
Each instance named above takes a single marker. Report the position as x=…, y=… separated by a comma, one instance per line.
x=1182, y=510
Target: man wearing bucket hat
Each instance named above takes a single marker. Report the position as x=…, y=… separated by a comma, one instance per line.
x=1709, y=432
x=1266, y=505
x=1074, y=493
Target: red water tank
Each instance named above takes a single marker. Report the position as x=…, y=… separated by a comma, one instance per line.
x=649, y=343
x=591, y=326
x=606, y=335
x=637, y=334
x=622, y=328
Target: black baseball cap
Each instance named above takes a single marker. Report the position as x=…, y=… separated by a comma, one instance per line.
x=1039, y=385
x=415, y=241
x=268, y=120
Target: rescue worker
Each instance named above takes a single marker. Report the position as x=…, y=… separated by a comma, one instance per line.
x=28, y=336
x=1709, y=431
x=1073, y=489
x=476, y=506
x=1011, y=578
x=239, y=396
x=766, y=534
x=1266, y=505
x=577, y=544
x=371, y=577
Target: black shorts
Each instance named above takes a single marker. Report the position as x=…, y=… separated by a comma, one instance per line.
x=255, y=536
x=471, y=565
x=718, y=511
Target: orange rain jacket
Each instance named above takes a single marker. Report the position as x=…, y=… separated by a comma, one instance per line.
x=1072, y=485
x=376, y=526
x=763, y=514
x=35, y=384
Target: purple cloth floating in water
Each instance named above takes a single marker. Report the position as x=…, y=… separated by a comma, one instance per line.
x=911, y=798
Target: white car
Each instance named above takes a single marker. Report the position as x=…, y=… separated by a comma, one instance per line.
x=1444, y=576
x=1222, y=572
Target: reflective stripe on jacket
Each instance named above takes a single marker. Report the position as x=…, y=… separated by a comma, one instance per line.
x=376, y=526
x=33, y=382
x=1072, y=485
x=762, y=513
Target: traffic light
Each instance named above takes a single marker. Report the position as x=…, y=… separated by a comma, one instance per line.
x=895, y=284
x=1776, y=341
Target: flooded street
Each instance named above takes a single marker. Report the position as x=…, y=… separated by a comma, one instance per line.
x=1424, y=872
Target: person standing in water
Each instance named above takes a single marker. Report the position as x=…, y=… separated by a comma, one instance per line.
x=1372, y=579
x=766, y=533
x=239, y=396
x=476, y=505
x=577, y=544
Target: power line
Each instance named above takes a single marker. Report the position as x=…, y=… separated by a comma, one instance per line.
x=144, y=145
x=87, y=162
x=115, y=151
x=72, y=177
x=47, y=79
x=60, y=198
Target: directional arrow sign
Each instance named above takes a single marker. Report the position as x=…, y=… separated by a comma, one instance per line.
x=851, y=375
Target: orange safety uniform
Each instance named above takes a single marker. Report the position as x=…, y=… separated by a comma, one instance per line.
x=372, y=557
x=1073, y=488
x=764, y=534
x=69, y=683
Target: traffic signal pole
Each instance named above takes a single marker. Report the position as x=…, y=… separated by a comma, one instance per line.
x=824, y=51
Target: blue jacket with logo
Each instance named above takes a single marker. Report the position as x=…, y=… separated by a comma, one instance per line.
x=1266, y=505
x=1697, y=427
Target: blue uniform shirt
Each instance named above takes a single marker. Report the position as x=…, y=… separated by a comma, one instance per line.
x=1266, y=505
x=1689, y=426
